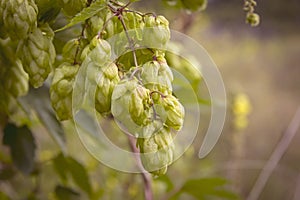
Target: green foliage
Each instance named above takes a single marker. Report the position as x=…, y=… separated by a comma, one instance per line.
x=65, y=193
x=22, y=147
x=205, y=188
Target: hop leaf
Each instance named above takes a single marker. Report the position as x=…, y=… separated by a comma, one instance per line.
x=19, y=17
x=37, y=54
x=61, y=90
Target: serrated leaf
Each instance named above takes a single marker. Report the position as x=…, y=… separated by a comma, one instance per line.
x=22, y=147
x=79, y=175
x=65, y=193
x=39, y=101
x=86, y=13
x=205, y=187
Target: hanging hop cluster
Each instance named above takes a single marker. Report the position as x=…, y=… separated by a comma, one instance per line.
x=252, y=18
x=135, y=88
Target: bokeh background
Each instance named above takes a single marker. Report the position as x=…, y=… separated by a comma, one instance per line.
x=261, y=63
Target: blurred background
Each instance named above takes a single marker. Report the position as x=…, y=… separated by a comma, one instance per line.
x=260, y=68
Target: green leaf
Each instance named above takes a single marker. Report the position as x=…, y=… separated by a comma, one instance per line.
x=79, y=175
x=60, y=165
x=65, y=193
x=39, y=101
x=86, y=13
x=165, y=179
x=65, y=166
x=22, y=147
x=207, y=187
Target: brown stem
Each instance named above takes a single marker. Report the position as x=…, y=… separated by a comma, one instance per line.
x=145, y=175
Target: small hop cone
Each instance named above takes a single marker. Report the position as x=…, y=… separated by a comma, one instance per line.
x=106, y=79
x=19, y=17
x=157, y=76
x=253, y=19
x=61, y=90
x=175, y=112
x=157, y=151
x=101, y=53
x=37, y=54
x=70, y=49
x=156, y=32
x=94, y=26
x=15, y=79
x=139, y=105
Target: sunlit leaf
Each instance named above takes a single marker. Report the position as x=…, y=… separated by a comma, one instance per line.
x=85, y=14
x=206, y=187
x=22, y=147
x=79, y=175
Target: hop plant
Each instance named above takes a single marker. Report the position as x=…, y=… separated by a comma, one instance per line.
x=72, y=50
x=102, y=72
x=157, y=151
x=61, y=90
x=19, y=17
x=156, y=32
x=37, y=54
x=175, y=112
x=15, y=79
x=157, y=76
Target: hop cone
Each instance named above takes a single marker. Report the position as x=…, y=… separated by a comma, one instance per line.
x=156, y=32
x=37, y=54
x=102, y=72
x=61, y=90
x=15, y=79
x=19, y=17
x=131, y=105
x=157, y=151
x=174, y=111
x=157, y=76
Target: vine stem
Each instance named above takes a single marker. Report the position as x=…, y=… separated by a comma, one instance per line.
x=275, y=157
x=145, y=175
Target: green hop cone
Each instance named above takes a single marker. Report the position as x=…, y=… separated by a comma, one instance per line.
x=131, y=105
x=94, y=26
x=61, y=90
x=72, y=48
x=175, y=112
x=157, y=76
x=139, y=105
x=253, y=19
x=15, y=79
x=106, y=79
x=19, y=17
x=101, y=54
x=37, y=54
x=157, y=151
x=156, y=32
